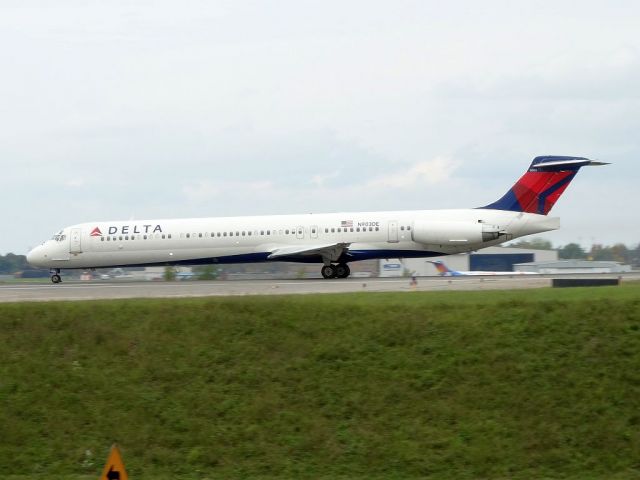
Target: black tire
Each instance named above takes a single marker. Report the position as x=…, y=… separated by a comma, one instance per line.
x=342, y=270
x=328, y=271
x=56, y=278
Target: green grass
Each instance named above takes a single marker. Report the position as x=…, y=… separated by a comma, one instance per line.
x=465, y=385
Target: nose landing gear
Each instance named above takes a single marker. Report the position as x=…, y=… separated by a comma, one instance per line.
x=55, y=277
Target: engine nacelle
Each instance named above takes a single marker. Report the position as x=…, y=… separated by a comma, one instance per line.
x=453, y=233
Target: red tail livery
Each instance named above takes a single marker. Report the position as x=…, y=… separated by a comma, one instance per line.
x=540, y=188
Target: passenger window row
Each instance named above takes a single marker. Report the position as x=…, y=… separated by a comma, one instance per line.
x=350, y=229
x=238, y=233
x=157, y=236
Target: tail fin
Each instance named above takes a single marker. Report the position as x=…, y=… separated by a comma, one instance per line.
x=540, y=188
x=443, y=270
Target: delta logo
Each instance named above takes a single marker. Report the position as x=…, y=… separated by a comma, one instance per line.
x=127, y=230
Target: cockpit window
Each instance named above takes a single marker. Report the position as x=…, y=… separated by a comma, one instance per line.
x=59, y=237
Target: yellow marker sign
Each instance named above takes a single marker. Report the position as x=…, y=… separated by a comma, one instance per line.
x=114, y=469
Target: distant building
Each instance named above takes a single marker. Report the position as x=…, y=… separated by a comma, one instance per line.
x=492, y=259
x=392, y=267
x=573, y=266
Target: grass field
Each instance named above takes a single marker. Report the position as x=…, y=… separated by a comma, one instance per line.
x=455, y=385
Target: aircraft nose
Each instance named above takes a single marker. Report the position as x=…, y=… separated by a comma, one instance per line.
x=35, y=257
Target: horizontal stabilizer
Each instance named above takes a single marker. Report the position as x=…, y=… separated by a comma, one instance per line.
x=571, y=164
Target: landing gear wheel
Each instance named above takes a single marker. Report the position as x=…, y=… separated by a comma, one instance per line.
x=55, y=278
x=342, y=270
x=328, y=271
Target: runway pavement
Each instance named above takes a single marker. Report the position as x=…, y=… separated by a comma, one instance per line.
x=94, y=290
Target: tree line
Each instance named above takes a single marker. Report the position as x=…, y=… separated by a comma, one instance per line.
x=11, y=263
x=618, y=252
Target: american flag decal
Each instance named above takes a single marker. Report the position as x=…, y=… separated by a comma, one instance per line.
x=346, y=223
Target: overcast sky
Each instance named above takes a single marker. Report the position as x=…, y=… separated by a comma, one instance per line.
x=159, y=109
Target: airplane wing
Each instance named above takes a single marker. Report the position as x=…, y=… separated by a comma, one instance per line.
x=333, y=251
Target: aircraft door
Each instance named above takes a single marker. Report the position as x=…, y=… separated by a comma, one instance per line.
x=314, y=231
x=300, y=232
x=75, y=240
x=393, y=231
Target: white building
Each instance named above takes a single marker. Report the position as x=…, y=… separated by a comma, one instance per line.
x=498, y=259
x=573, y=266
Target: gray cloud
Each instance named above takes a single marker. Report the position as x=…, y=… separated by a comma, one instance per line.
x=154, y=109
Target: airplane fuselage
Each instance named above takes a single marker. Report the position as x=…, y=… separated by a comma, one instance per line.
x=311, y=238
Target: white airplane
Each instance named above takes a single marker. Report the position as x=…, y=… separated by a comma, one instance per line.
x=445, y=271
x=332, y=239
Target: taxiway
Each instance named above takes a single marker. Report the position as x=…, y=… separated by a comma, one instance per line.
x=102, y=290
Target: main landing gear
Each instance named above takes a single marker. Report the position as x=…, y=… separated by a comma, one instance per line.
x=55, y=277
x=340, y=270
